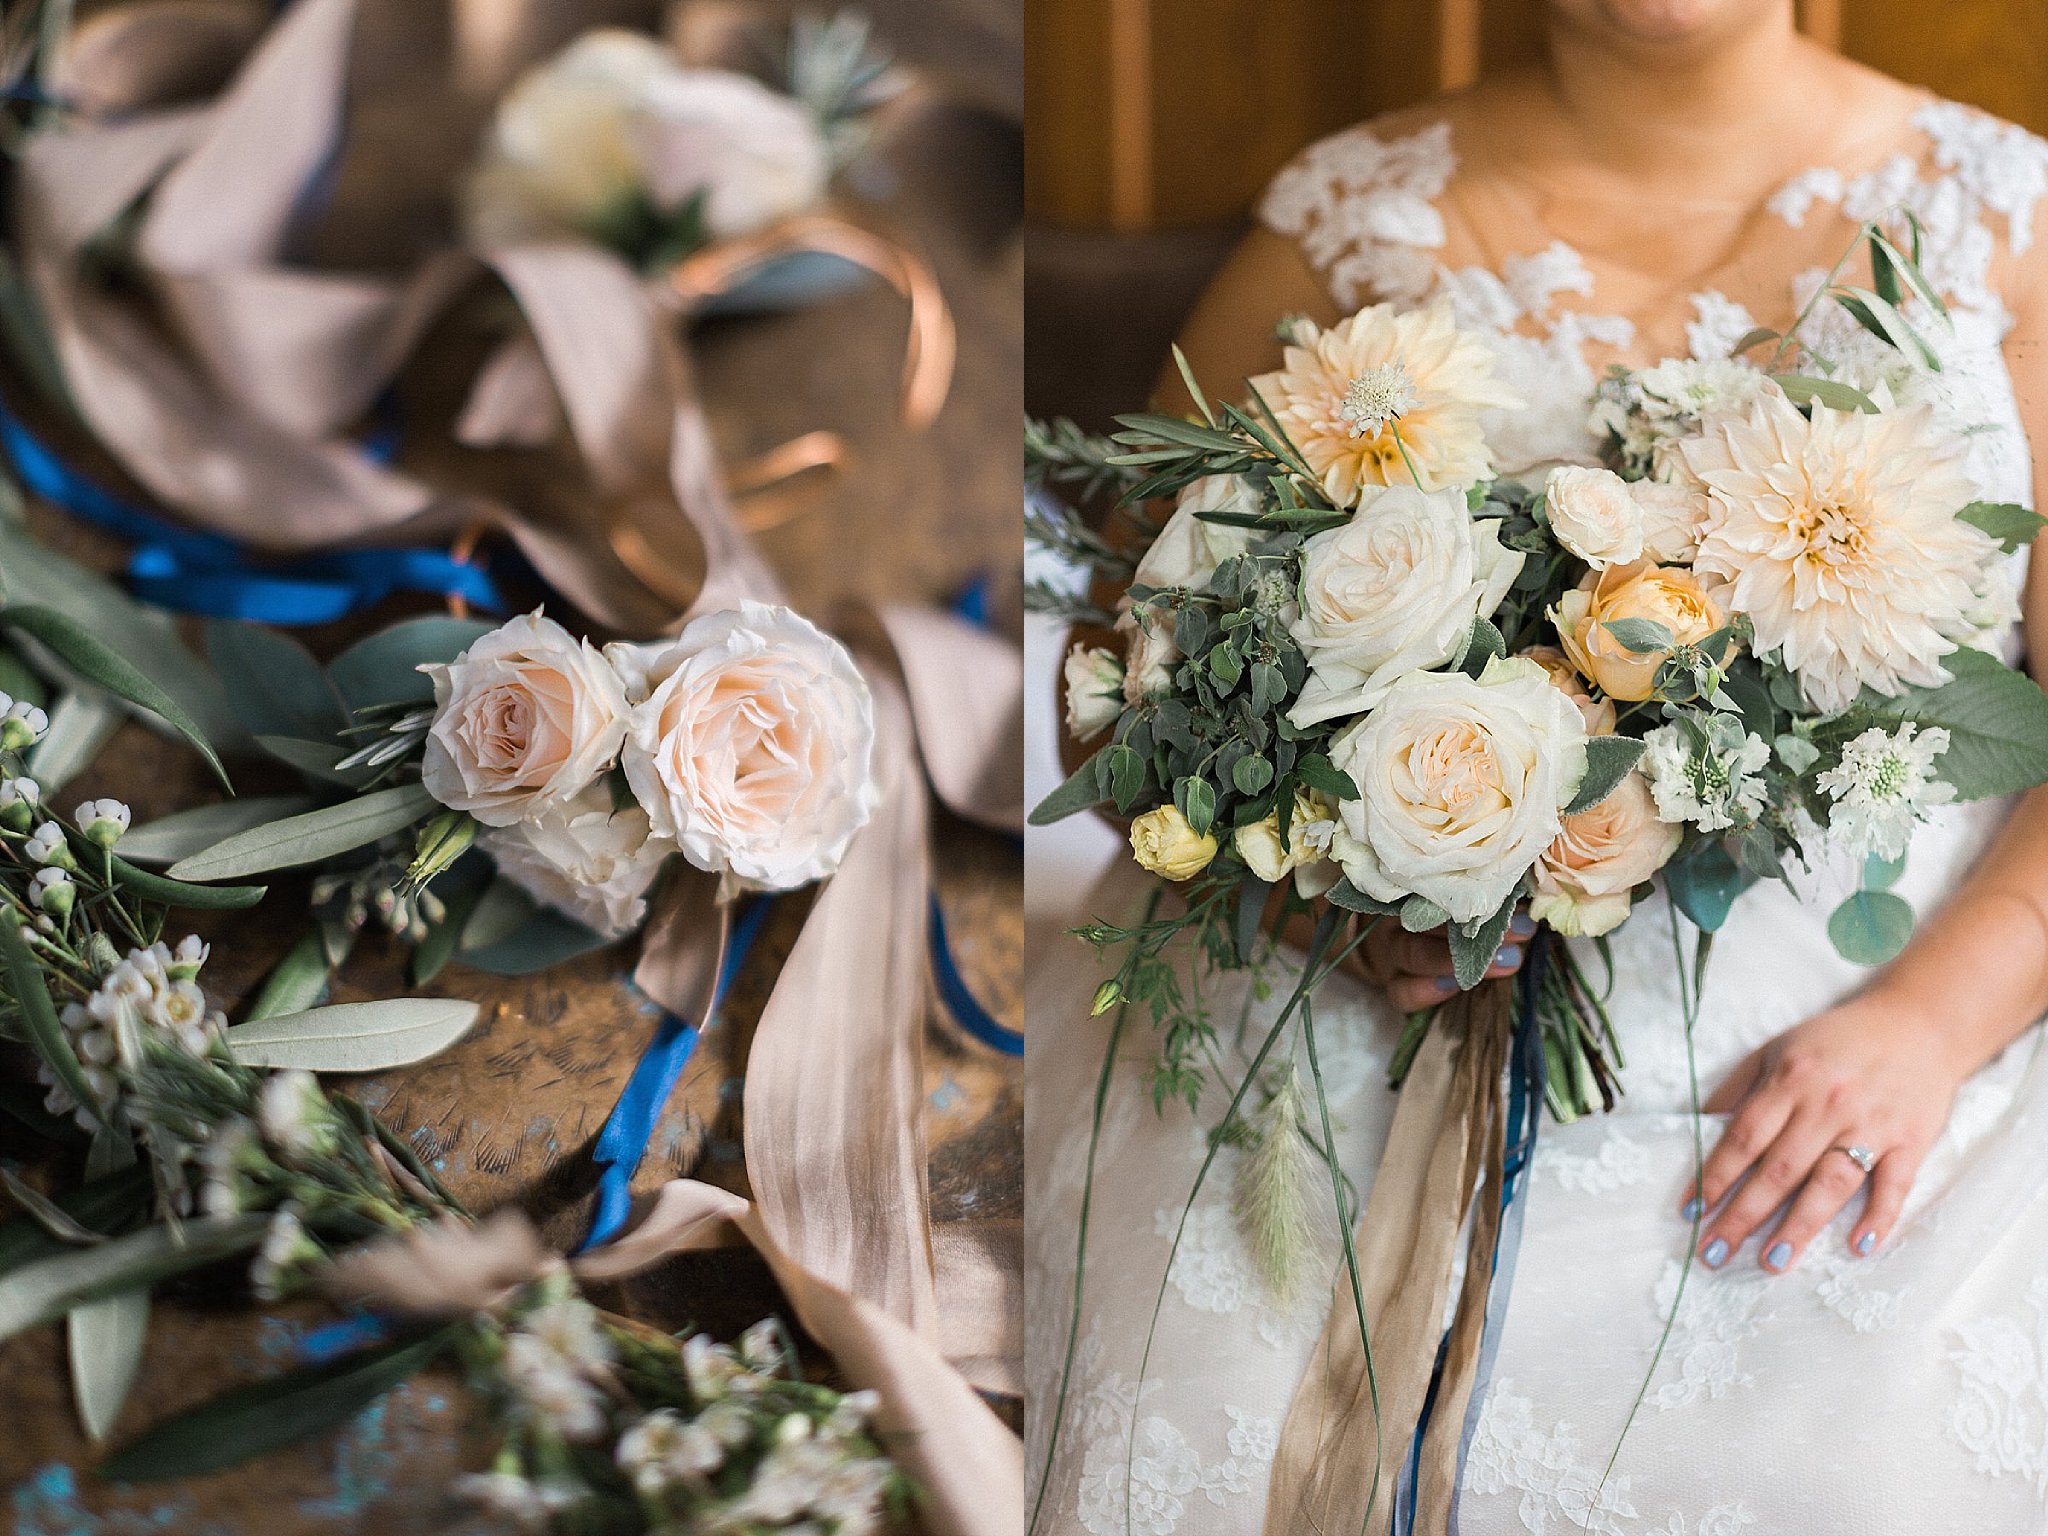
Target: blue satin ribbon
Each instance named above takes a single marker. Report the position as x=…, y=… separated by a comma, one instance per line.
x=966, y=1009
x=208, y=573
x=623, y=1141
x=1525, y=1114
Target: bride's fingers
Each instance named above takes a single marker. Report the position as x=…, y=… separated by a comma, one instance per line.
x=1752, y=1128
x=1889, y=1184
x=1833, y=1182
x=1430, y=981
x=1781, y=1169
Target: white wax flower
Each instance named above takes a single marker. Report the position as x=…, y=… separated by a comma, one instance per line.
x=1462, y=783
x=525, y=720
x=754, y=746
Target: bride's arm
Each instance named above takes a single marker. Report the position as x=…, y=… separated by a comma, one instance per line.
x=1881, y=1070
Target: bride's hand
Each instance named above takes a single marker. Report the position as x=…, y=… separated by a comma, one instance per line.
x=1864, y=1074
x=1415, y=968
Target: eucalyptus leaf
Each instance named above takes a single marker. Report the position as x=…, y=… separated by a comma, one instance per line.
x=47, y=1213
x=1126, y=776
x=46, y=1289
x=104, y=1340
x=354, y=1037
x=90, y=657
x=1321, y=775
x=1882, y=874
x=385, y=668
x=81, y=724
x=1196, y=798
x=1609, y=760
x=1752, y=338
x=1704, y=884
x=1251, y=774
x=184, y=833
x=265, y=1415
x=310, y=837
x=1871, y=927
x=273, y=682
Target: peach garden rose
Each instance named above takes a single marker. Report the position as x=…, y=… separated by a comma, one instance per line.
x=1666, y=595
x=1585, y=877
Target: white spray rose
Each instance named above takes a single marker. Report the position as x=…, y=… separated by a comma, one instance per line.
x=754, y=746
x=1189, y=548
x=1594, y=515
x=525, y=719
x=584, y=858
x=1393, y=591
x=1462, y=783
x=1672, y=515
x=615, y=117
x=1094, y=682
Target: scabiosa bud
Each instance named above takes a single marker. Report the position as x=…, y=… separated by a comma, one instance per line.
x=102, y=821
x=21, y=724
x=53, y=892
x=18, y=800
x=46, y=845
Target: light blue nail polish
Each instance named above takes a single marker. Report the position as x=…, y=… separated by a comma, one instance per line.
x=1716, y=1254
x=1447, y=985
x=1866, y=1242
x=1779, y=1256
x=1508, y=954
x=1521, y=926
x=1694, y=1209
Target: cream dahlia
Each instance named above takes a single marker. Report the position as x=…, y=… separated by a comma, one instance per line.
x=1840, y=540
x=1352, y=398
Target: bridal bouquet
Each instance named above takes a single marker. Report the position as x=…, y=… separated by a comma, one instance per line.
x=513, y=794
x=1357, y=662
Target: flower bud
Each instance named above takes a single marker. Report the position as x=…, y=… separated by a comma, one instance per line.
x=18, y=799
x=102, y=821
x=441, y=842
x=46, y=845
x=1107, y=996
x=53, y=892
x=21, y=724
x=187, y=958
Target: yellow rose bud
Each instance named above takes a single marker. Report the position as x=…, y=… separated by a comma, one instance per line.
x=1165, y=844
x=1263, y=850
x=1666, y=595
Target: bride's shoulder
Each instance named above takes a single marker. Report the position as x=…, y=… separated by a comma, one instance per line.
x=1362, y=203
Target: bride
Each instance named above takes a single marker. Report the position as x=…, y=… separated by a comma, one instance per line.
x=1852, y=1353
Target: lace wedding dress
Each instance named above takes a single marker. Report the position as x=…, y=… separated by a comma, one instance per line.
x=1905, y=1392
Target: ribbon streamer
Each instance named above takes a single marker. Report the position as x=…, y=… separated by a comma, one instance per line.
x=961, y=1002
x=623, y=1142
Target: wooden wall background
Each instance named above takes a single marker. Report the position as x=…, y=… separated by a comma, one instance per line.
x=1163, y=114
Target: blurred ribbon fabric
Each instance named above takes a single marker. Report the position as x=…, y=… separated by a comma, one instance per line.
x=233, y=406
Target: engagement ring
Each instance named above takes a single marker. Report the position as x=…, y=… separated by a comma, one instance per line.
x=1861, y=1156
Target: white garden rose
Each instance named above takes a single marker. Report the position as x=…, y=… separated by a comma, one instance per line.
x=527, y=718
x=1189, y=549
x=584, y=858
x=754, y=746
x=1594, y=515
x=1094, y=684
x=1462, y=783
x=615, y=117
x=1393, y=591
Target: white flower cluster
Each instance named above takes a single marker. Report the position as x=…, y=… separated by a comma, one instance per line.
x=810, y=1471
x=1648, y=413
x=152, y=990
x=1714, y=781
x=1883, y=787
x=746, y=741
x=554, y=1361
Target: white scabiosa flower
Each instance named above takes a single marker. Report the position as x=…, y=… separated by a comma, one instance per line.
x=102, y=821
x=1713, y=780
x=1094, y=681
x=1883, y=787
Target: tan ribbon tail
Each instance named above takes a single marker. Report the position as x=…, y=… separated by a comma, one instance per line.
x=966, y=689
x=1335, y=1469
x=929, y=347
x=980, y=1270
x=968, y=1467
x=684, y=944
x=150, y=52
x=833, y=1111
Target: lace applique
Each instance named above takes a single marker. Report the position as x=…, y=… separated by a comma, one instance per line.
x=2000, y=164
x=1619, y=1163
x=1792, y=201
x=1717, y=1312
x=1863, y=1307
x=1365, y=211
x=1509, y=1454
x=1214, y=1273
x=2000, y=1414
x=1157, y=1472
x=1721, y=1520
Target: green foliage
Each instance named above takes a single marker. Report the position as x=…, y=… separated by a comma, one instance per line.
x=1609, y=760
x=2013, y=526
x=1871, y=927
x=1997, y=720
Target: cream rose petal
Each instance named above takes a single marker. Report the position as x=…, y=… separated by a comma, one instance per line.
x=584, y=858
